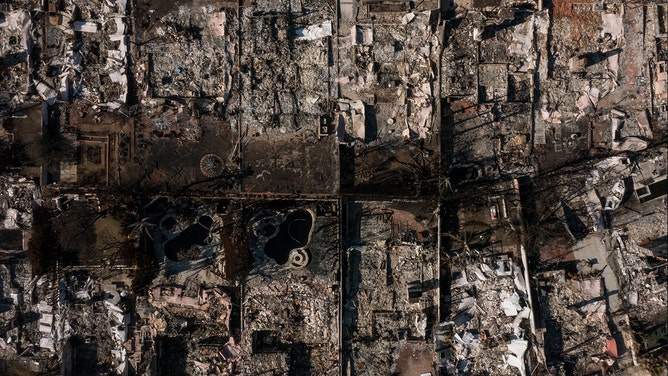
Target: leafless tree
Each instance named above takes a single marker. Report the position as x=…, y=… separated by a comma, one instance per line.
x=75, y=230
x=50, y=150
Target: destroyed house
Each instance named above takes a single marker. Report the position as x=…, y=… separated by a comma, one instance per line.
x=573, y=322
x=490, y=322
x=651, y=182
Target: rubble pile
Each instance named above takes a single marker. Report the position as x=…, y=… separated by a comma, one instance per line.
x=191, y=54
x=307, y=316
x=290, y=308
x=489, y=325
x=91, y=325
x=16, y=49
x=287, y=83
x=487, y=68
x=196, y=316
x=576, y=320
x=395, y=77
x=637, y=271
x=25, y=332
x=390, y=300
x=85, y=48
x=211, y=300
x=16, y=200
x=397, y=312
x=601, y=82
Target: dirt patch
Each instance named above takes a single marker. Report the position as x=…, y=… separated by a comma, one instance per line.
x=109, y=236
x=291, y=164
x=401, y=168
x=568, y=8
x=414, y=361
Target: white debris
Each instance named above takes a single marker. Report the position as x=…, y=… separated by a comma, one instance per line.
x=85, y=26
x=407, y=18
x=314, y=32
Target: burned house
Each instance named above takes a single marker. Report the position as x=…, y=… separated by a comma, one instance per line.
x=391, y=285
x=491, y=322
x=386, y=118
x=16, y=214
x=16, y=49
x=290, y=308
x=650, y=181
x=487, y=318
x=487, y=93
x=286, y=98
x=85, y=50
x=574, y=323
